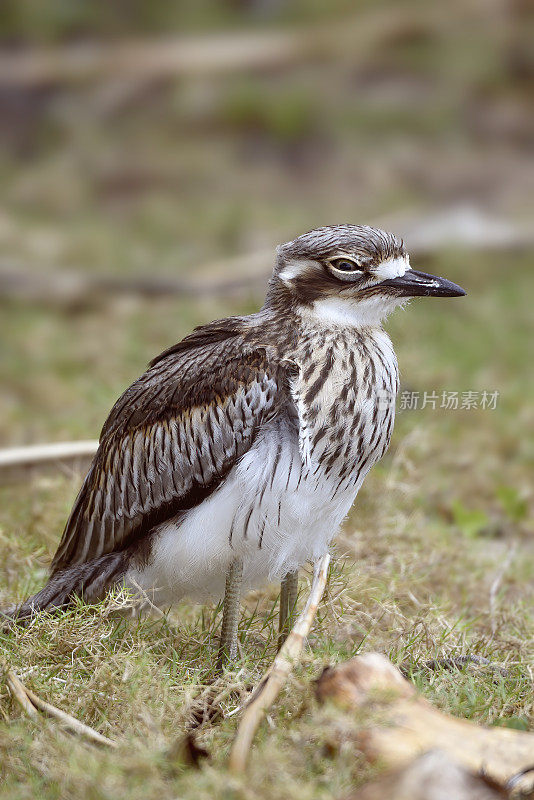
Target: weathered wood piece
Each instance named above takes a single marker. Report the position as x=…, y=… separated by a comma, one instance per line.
x=432, y=776
x=404, y=725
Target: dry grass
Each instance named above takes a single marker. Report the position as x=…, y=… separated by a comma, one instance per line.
x=409, y=593
x=434, y=561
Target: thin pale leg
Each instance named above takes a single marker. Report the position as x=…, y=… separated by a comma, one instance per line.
x=288, y=601
x=230, y=620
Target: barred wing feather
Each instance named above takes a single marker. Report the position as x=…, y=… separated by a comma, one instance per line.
x=171, y=438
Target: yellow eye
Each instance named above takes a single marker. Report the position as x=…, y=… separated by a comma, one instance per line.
x=345, y=265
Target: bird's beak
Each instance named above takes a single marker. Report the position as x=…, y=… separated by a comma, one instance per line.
x=419, y=284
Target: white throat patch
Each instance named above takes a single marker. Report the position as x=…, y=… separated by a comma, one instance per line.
x=364, y=312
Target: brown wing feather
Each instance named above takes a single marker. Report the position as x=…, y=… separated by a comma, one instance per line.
x=171, y=438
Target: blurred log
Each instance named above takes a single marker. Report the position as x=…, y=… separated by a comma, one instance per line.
x=151, y=59
x=405, y=726
x=69, y=287
x=177, y=57
x=460, y=227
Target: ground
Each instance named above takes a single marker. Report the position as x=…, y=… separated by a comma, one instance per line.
x=434, y=560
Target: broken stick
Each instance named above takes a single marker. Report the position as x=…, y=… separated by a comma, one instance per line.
x=30, y=702
x=272, y=682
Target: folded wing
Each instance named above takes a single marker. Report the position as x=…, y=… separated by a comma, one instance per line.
x=172, y=437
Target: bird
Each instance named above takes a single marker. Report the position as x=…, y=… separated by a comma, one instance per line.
x=235, y=457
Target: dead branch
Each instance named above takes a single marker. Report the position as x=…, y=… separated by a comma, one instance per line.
x=76, y=288
x=30, y=702
x=18, y=692
x=274, y=679
x=405, y=725
x=151, y=59
x=184, y=56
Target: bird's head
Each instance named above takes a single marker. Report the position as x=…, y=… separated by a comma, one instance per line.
x=351, y=274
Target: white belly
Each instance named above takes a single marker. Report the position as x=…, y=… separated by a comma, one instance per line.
x=270, y=510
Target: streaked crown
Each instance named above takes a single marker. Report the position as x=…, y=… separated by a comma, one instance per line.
x=368, y=246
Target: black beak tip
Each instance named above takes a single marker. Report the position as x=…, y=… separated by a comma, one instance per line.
x=433, y=286
x=421, y=284
x=457, y=291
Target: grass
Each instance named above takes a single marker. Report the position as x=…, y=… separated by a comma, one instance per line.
x=435, y=560
x=436, y=557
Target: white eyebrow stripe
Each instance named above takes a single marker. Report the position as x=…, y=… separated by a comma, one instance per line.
x=392, y=268
x=295, y=267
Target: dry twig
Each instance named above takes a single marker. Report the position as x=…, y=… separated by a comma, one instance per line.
x=30, y=702
x=18, y=691
x=272, y=682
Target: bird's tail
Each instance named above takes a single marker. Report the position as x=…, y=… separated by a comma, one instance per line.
x=90, y=581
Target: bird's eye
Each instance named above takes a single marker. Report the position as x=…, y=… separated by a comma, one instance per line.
x=345, y=265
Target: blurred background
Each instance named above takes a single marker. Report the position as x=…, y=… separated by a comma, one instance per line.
x=153, y=154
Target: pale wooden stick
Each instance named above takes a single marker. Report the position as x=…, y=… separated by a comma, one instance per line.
x=30, y=702
x=19, y=693
x=16, y=461
x=45, y=453
x=270, y=685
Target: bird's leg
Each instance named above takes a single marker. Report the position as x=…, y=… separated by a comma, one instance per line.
x=230, y=620
x=288, y=601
